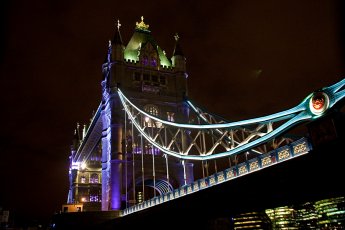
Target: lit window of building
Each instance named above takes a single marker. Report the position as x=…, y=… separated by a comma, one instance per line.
x=170, y=116
x=282, y=217
x=331, y=213
x=94, y=198
x=153, y=62
x=94, y=178
x=139, y=197
x=145, y=60
x=151, y=109
x=252, y=220
x=306, y=216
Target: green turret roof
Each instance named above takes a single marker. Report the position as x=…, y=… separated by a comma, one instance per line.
x=142, y=36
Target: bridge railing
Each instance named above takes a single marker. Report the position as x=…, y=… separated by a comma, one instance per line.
x=279, y=155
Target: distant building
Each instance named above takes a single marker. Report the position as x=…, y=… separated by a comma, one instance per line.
x=283, y=217
x=85, y=178
x=322, y=214
x=306, y=216
x=331, y=213
x=72, y=207
x=251, y=220
x=4, y=218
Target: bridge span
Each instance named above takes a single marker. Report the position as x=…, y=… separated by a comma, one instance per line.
x=135, y=164
x=315, y=175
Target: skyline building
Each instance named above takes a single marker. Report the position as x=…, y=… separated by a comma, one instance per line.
x=330, y=213
x=252, y=220
x=327, y=213
x=282, y=217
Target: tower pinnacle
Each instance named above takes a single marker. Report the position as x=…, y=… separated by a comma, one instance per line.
x=177, y=50
x=118, y=25
x=117, y=37
x=142, y=25
x=176, y=37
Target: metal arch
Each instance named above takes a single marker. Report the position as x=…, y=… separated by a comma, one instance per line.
x=161, y=186
x=176, y=134
x=270, y=118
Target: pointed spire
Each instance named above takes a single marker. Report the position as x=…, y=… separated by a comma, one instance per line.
x=84, y=131
x=177, y=49
x=75, y=141
x=75, y=136
x=78, y=134
x=118, y=25
x=178, y=59
x=117, y=37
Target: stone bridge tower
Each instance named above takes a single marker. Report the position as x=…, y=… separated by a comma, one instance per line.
x=152, y=81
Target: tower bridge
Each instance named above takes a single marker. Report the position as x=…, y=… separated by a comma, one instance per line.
x=148, y=144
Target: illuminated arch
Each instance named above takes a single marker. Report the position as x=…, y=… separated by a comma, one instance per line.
x=161, y=186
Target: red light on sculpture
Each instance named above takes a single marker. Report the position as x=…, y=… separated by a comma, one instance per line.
x=318, y=103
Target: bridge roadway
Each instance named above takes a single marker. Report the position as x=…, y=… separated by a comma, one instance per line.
x=316, y=175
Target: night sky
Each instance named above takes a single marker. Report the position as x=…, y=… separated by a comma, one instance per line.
x=244, y=59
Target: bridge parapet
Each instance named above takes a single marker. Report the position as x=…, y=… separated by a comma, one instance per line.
x=288, y=152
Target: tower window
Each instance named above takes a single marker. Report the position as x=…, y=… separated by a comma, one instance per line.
x=153, y=62
x=146, y=77
x=94, y=198
x=83, y=179
x=170, y=116
x=137, y=77
x=154, y=78
x=94, y=178
x=145, y=60
x=162, y=80
x=151, y=109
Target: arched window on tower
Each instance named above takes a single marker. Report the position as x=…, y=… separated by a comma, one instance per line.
x=94, y=179
x=153, y=61
x=170, y=116
x=145, y=60
x=149, y=56
x=83, y=179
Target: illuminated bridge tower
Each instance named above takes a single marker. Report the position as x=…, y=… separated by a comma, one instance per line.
x=132, y=169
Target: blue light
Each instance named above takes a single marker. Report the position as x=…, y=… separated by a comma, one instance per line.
x=215, y=179
x=297, y=114
x=270, y=118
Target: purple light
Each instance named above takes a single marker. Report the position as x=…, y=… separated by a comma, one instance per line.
x=115, y=181
x=153, y=62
